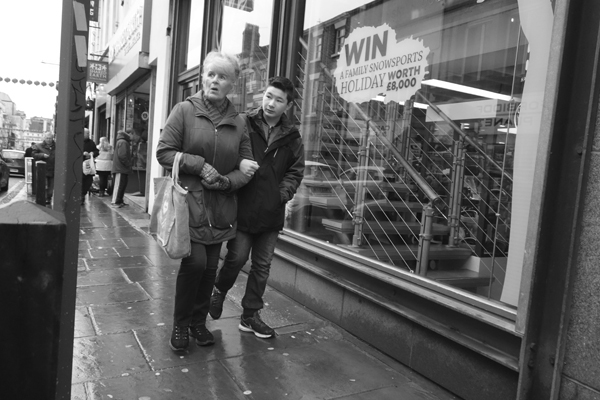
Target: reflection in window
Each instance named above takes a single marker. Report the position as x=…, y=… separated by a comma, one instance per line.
x=246, y=33
x=426, y=190
x=195, y=34
x=340, y=34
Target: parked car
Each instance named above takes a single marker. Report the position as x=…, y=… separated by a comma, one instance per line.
x=4, y=175
x=15, y=160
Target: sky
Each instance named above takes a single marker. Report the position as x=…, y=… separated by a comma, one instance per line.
x=31, y=51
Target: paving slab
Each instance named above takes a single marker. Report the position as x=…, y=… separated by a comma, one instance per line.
x=112, y=293
x=106, y=356
x=123, y=317
x=208, y=381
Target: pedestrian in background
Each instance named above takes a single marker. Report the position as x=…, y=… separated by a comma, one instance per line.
x=277, y=148
x=45, y=151
x=121, y=167
x=89, y=150
x=29, y=150
x=104, y=164
x=207, y=129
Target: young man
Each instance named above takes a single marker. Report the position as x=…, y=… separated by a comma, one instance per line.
x=279, y=153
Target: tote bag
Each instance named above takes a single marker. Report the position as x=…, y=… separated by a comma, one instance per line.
x=88, y=166
x=170, y=216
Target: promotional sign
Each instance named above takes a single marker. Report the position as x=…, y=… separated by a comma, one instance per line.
x=97, y=71
x=372, y=63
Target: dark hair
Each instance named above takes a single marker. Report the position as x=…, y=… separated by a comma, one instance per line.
x=284, y=84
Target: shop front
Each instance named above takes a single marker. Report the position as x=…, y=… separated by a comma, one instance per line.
x=425, y=129
x=124, y=104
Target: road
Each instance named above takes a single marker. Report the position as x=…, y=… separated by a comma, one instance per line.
x=16, y=191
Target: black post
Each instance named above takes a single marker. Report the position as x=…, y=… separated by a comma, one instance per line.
x=68, y=174
x=40, y=182
x=32, y=242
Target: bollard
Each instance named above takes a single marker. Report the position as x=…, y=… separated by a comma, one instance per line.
x=40, y=182
x=29, y=175
x=32, y=245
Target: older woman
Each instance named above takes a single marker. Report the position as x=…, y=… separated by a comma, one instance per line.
x=213, y=139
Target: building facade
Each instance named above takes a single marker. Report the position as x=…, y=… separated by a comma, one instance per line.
x=120, y=39
x=447, y=213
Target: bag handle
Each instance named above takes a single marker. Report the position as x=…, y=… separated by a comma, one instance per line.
x=175, y=170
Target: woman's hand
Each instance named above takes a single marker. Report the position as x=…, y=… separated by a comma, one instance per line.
x=209, y=174
x=223, y=183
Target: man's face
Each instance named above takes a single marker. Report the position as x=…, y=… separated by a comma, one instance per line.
x=216, y=83
x=86, y=134
x=48, y=139
x=275, y=103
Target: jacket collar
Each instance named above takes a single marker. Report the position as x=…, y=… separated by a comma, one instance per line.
x=201, y=111
x=285, y=125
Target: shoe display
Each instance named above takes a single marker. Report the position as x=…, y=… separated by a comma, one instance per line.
x=216, y=303
x=179, y=338
x=257, y=326
x=202, y=335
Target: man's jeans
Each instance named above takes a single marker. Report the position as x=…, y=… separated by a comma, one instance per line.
x=238, y=249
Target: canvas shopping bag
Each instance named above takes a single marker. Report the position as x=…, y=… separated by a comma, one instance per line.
x=170, y=216
x=88, y=166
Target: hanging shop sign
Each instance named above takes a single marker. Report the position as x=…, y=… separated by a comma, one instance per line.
x=92, y=11
x=97, y=71
x=373, y=64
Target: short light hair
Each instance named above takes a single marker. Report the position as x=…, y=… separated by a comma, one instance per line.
x=223, y=60
x=48, y=134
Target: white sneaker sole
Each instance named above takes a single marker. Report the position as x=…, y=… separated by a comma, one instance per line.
x=257, y=334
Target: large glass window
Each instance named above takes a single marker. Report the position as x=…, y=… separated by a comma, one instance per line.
x=247, y=33
x=194, y=41
x=420, y=122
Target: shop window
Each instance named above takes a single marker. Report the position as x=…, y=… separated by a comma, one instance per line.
x=382, y=167
x=194, y=36
x=246, y=32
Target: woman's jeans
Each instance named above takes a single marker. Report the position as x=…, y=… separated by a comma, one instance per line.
x=238, y=249
x=194, y=284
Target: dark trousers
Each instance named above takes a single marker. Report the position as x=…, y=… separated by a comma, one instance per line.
x=103, y=180
x=49, y=187
x=238, y=249
x=120, y=180
x=86, y=184
x=194, y=284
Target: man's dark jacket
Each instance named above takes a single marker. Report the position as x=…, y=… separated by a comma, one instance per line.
x=281, y=168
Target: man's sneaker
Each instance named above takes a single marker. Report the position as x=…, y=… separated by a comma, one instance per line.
x=216, y=303
x=179, y=338
x=257, y=326
x=202, y=335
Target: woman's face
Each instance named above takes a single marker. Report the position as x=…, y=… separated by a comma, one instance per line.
x=217, y=82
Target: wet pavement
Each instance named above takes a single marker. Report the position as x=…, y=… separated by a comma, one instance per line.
x=125, y=293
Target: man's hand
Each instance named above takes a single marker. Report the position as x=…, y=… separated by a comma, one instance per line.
x=248, y=167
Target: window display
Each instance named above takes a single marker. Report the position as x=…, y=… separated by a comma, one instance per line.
x=409, y=112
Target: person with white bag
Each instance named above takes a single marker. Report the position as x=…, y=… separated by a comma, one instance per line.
x=104, y=164
x=89, y=151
